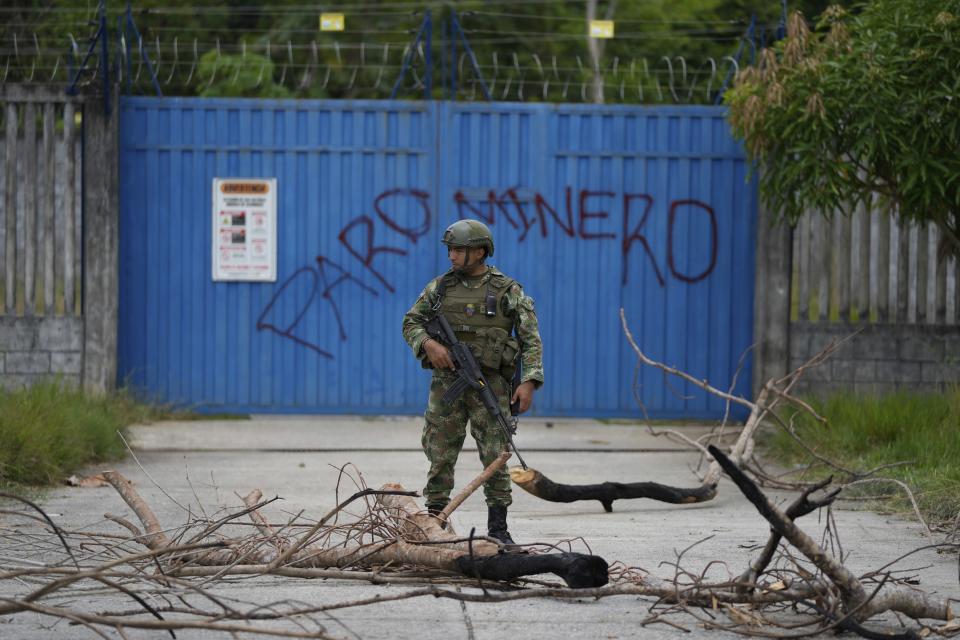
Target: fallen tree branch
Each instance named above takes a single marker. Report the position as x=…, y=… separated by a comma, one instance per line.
x=539, y=485
x=155, y=538
x=853, y=595
x=252, y=502
x=799, y=508
x=47, y=520
x=392, y=541
x=483, y=559
x=286, y=555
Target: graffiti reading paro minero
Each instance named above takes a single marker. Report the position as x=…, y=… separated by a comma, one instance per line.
x=584, y=215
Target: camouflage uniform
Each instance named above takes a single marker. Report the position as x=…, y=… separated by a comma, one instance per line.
x=445, y=424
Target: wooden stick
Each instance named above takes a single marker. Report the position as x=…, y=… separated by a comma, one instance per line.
x=250, y=501
x=475, y=484
x=744, y=443
x=376, y=577
x=123, y=522
x=155, y=538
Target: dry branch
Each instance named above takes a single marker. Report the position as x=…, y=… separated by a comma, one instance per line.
x=477, y=558
x=393, y=541
x=800, y=507
x=475, y=484
x=155, y=538
x=854, y=599
x=742, y=449
x=418, y=525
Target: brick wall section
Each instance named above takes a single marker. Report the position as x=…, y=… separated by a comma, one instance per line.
x=37, y=348
x=880, y=359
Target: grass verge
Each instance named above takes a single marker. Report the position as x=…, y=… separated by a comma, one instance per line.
x=50, y=430
x=863, y=433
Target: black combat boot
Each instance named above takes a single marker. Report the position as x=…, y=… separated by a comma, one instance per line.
x=435, y=509
x=497, y=525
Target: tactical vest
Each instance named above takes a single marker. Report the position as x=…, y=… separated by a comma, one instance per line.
x=477, y=317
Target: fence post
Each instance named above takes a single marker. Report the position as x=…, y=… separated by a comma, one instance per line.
x=101, y=216
x=771, y=313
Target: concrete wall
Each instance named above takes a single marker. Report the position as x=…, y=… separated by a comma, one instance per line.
x=920, y=351
x=879, y=359
x=32, y=349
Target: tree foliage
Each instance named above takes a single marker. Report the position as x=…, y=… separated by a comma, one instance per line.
x=663, y=50
x=865, y=106
x=234, y=76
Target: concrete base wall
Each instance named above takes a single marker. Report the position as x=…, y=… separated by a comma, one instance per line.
x=880, y=359
x=34, y=349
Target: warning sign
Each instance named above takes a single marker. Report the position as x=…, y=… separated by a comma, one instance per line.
x=331, y=22
x=601, y=29
x=245, y=229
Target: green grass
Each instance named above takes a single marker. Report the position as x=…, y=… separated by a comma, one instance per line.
x=50, y=430
x=863, y=433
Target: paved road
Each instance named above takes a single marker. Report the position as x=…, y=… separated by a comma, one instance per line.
x=205, y=463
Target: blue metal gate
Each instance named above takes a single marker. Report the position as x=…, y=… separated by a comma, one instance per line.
x=593, y=208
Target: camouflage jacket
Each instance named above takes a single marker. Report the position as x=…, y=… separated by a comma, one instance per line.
x=519, y=306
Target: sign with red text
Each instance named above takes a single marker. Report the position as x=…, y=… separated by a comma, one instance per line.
x=245, y=229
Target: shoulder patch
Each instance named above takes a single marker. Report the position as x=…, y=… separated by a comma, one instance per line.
x=499, y=281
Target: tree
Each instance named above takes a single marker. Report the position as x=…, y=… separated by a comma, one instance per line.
x=865, y=106
x=240, y=76
x=663, y=50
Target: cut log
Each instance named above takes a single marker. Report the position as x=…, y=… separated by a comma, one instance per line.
x=579, y=571
x=484, y=559
x=544, y=488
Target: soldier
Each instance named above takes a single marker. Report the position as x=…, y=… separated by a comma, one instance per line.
x=488, y=311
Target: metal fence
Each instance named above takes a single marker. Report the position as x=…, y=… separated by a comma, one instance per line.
x=593, y=208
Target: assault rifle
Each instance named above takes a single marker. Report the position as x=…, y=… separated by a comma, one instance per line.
x=469, y=376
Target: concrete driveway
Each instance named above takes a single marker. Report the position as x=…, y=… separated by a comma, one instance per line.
x=203, y=464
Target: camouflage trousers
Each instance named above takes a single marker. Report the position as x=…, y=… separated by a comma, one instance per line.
x=445, y=429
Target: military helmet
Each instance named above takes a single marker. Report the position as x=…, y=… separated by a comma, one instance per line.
x=468, y=233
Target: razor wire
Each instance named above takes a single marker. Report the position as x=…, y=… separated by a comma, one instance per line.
x=251, y=62
x=370, y=69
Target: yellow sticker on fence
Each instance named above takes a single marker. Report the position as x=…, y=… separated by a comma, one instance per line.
x=331, y=22
x=601, y=28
